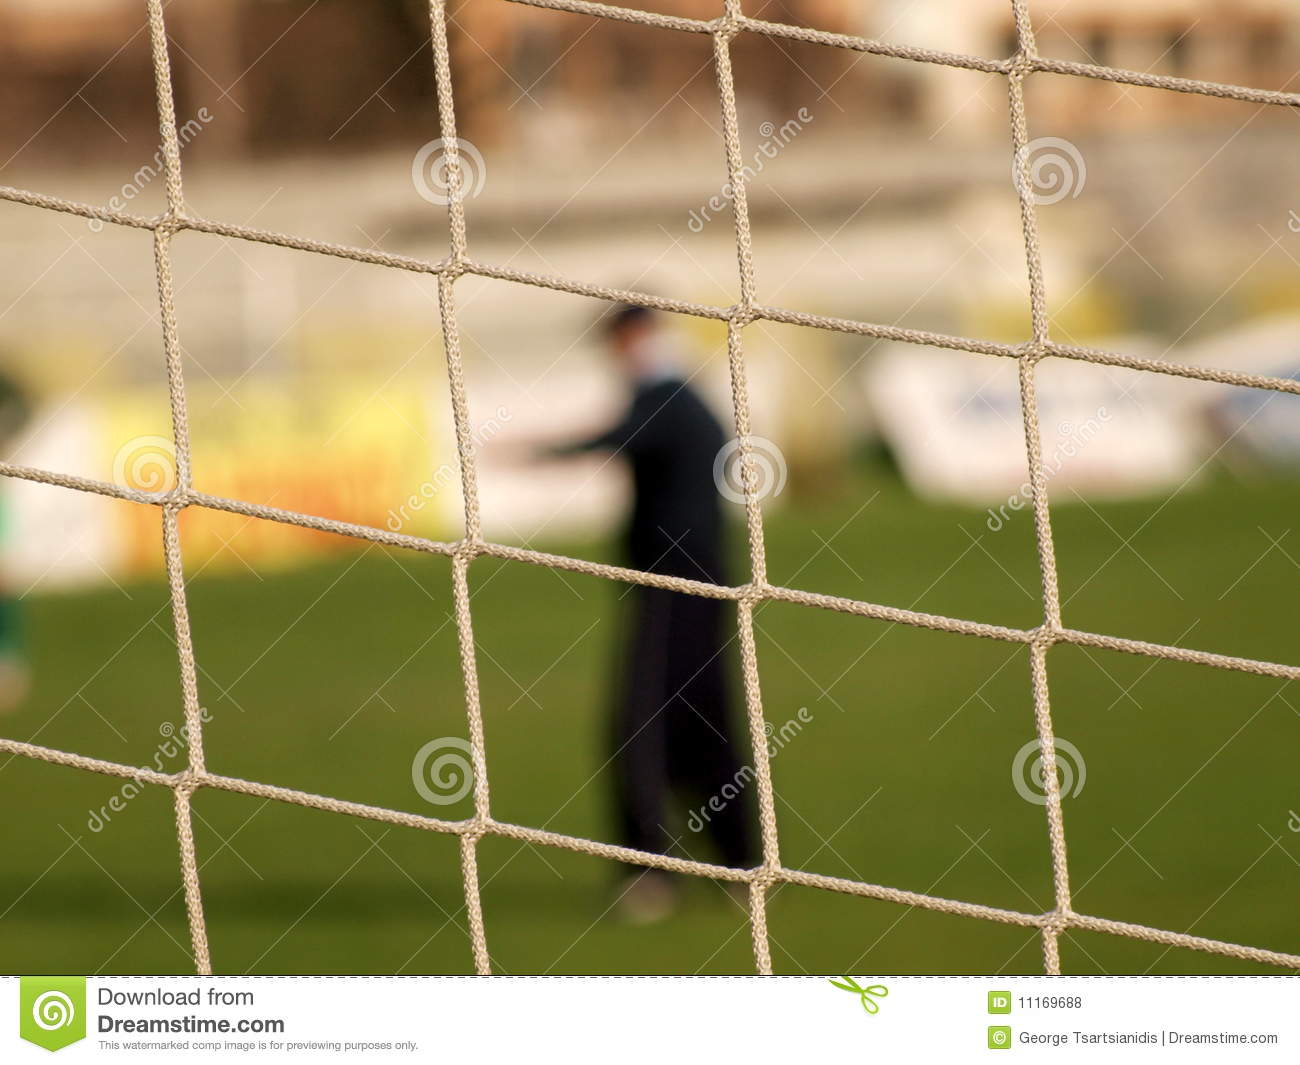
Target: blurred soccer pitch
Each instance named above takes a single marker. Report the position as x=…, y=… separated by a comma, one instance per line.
x=331, y=678
x=905, y=757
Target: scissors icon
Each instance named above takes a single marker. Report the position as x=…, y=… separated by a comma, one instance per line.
x=867, y=995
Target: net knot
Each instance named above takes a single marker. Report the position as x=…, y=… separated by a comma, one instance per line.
x=188, y=781
x=726, y=27
x=1045, y=637
x=751, y=594
x=1022, y=65
x=168, y=225
x=1033, y=351
x=467, y=550
x=1056, y=922
x=741, y=314
x=764, y=877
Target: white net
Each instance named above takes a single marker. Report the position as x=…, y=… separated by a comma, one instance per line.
x=463, y=552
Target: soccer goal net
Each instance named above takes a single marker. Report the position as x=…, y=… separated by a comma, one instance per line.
x=472, y=545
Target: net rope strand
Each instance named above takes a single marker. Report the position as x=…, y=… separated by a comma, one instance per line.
x=1027, y=367
x=780, y=315
x=758, y=733
x=761, y=880
x=175, y=566
x=465, y=552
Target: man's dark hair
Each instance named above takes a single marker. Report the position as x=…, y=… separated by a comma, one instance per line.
x=624, y=316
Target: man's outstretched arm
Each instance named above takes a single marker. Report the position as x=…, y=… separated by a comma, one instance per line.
x=634, y=433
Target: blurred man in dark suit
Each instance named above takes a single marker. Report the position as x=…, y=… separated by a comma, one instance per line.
x=672, y=735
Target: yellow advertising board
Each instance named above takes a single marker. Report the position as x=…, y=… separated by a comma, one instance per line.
x=334, y=446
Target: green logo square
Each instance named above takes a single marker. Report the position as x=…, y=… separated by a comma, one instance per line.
x=52, y=1010
x=999, y=1001
x=999, y=1037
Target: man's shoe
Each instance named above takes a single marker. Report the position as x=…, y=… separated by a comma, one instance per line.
x=647, y=897
x=15, y=682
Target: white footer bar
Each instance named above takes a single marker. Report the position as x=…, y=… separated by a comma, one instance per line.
x=660, y=1020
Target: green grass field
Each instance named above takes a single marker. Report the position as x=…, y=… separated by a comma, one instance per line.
x=330, y=678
